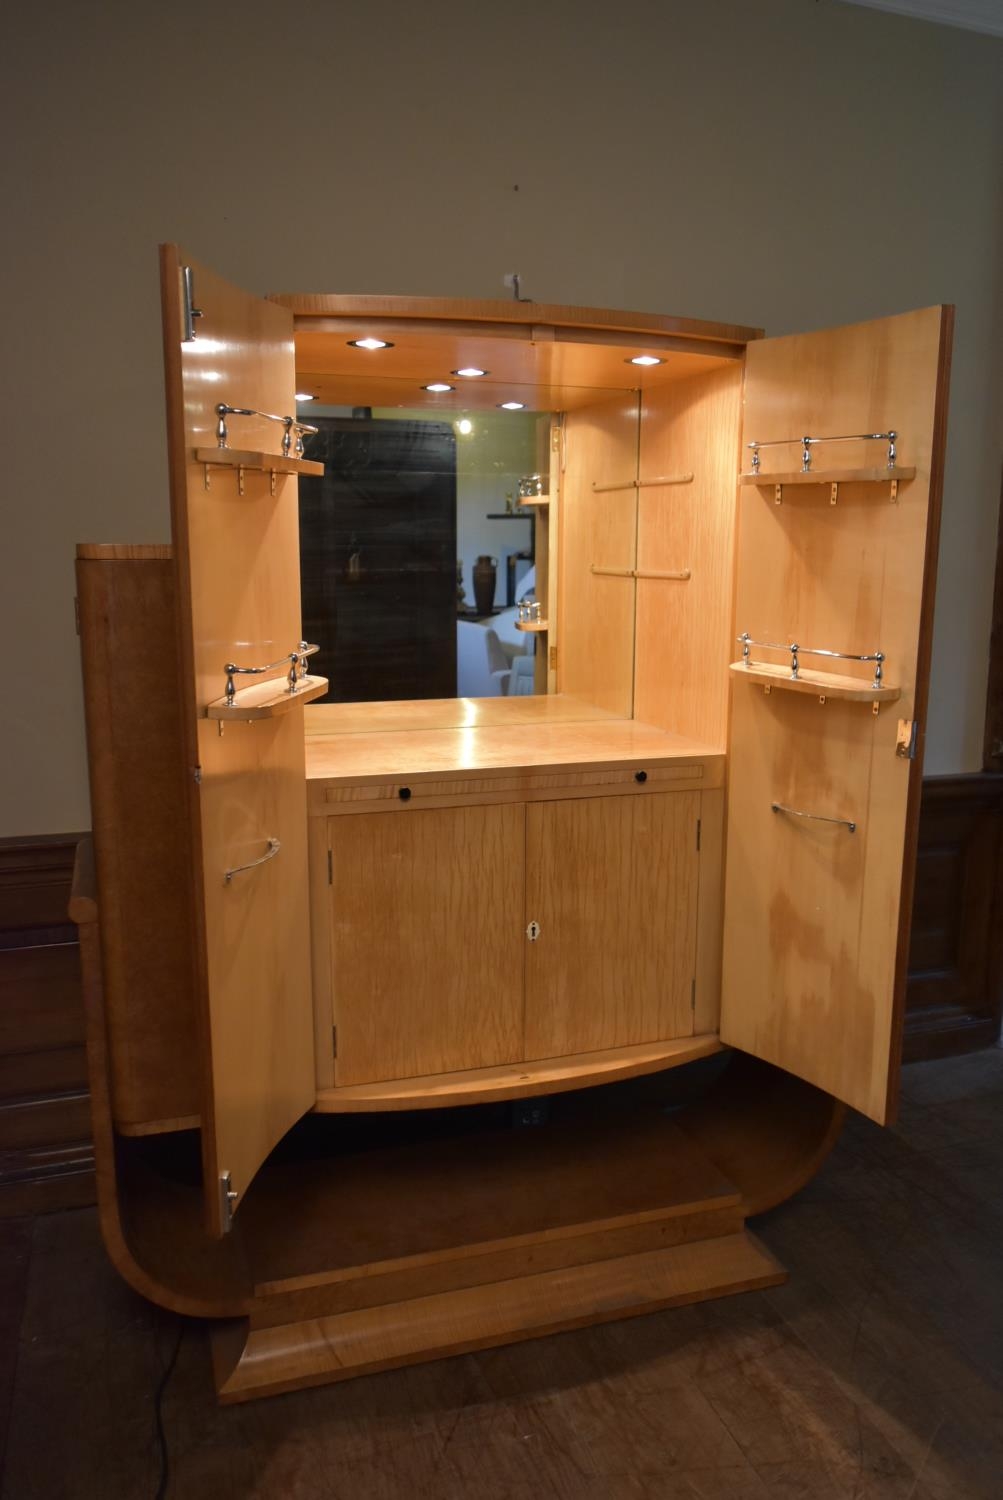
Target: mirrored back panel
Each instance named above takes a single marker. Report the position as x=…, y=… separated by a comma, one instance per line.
x=472, y=552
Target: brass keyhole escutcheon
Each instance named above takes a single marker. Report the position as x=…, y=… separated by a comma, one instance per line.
x=533, y=931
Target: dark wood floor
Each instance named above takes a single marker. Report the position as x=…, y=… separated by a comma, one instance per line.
x=877, y=1372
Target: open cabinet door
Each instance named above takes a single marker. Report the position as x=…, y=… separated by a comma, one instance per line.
x=824, y=768
x=236, y=549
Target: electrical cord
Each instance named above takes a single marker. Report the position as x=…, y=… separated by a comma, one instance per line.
x=158, y=1412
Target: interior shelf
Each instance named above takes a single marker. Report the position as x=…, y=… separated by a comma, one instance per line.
x=528, y=501
x=551, y=1075
x=267, y=463
x=266, y=700
x=819, y=684
x=532, y=627
x=879, y=474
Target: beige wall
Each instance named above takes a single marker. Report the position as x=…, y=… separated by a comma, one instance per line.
x=778, y=163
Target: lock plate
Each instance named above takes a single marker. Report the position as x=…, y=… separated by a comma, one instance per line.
x=533, y=931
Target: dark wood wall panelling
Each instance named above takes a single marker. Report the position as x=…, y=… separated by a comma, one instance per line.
x=956, y=953
x=46, y=1159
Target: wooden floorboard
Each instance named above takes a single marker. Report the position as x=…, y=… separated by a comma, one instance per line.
x=876, y=1373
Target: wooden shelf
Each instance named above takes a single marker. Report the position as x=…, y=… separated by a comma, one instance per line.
x=878, y=475
x=528, y=501
x=507, y=515
x=267, y=463
x=552, y=1075
x=532, y=627
x=266, y=700
x=819, y=684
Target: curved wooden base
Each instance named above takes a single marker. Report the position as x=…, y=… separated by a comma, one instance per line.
x=349, y=1255
x=550, y=1075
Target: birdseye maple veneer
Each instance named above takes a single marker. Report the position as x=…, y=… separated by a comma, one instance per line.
x=325, y=945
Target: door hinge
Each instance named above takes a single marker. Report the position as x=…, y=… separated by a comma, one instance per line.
x=76, y=614
x=905, y=744
x=191, y=312
x=197, y=775
x=334, y=1041
x=699, y=821
x=693, y=994
x=227, y=1198
x=330, y=867
x=552, y=659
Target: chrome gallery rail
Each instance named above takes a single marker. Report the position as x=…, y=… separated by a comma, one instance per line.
x=808, y=443
x=289, y=424
x=796, y=652
x=295, y=661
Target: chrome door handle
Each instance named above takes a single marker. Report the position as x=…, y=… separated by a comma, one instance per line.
x=274, y=846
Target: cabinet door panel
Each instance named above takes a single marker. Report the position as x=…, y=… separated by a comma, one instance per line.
x=612, y=882
x=236, y=558
x=816, y=913
x=427, y=940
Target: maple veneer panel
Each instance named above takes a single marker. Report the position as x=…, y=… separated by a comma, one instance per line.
x=427, y=941
x=596, y=612
x=238, y=600
x=612, y=881
x=684, y=627
x=812, y=911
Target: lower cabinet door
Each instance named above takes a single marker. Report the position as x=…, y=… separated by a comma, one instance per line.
x=428, y=940
x=611, y=884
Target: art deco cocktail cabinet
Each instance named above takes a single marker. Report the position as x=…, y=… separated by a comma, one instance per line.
x=327, y=945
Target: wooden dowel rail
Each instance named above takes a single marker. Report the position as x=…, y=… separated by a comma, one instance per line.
x=642, y=484
x=681, y=574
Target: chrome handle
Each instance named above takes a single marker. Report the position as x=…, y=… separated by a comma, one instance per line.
x=295, y=660
x=273, y=848
x=793, y=812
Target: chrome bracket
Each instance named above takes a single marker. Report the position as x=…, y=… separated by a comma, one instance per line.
x=227, y=1199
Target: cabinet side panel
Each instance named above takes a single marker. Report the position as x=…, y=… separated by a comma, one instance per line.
x=684, y=626
x=142, y=850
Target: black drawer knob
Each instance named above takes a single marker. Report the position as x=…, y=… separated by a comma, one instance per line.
x=405, y=794
x=640, y=775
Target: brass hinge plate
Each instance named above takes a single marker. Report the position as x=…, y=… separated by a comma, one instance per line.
x=227, y=1199
x=905, y=742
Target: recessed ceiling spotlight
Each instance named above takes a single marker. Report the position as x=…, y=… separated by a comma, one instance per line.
x=512, y=405
x=438, y=386
x=644, y=359
x=369, y=344
x=305, y=396
x=470, y=372
x=464, y=426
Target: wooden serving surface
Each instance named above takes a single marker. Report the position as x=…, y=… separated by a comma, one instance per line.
x=343, y=758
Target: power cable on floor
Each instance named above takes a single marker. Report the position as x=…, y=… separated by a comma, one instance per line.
x=158, y=1412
